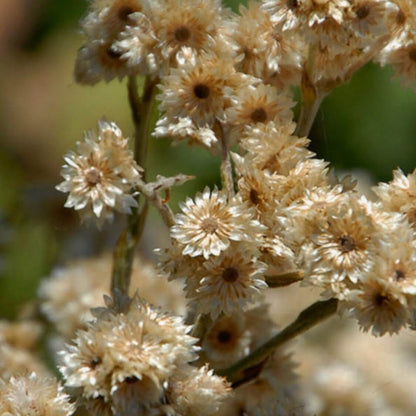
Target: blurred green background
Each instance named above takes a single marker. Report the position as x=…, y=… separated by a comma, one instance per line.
x=368, y=124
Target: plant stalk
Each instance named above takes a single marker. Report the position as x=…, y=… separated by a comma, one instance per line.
x=249, y=367
x=141, y=110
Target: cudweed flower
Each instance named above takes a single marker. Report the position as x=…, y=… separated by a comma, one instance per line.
x=32, y=396
x=378, y=305
x=69, y=293
x=197, y=391
x=100, y=176
x=399, y=195
x=141, y=345
x=208, y=224
x=230, y=281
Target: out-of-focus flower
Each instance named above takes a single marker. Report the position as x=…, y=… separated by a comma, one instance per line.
x=33, y=396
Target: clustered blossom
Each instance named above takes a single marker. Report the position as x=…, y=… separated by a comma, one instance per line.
x=129, y=361
x=225, y=84
x=101, y=175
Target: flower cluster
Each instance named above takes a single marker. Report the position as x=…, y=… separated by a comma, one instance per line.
x=280, y=216
x=136, y=361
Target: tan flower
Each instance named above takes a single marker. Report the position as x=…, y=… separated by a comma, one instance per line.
x=136, y=46
x=348, y=243
x=274, y=148
x=339, y=387
x=200, y=89
x=378, y=305
x=100, y=176
x=230, y=282
x=232, y=337
x=306, y=175
x=142, y=346
x=115, y=15
x=119, y=41
x=195, y=25
x=258, y=104
x=401, y=54
x=100, y=59
x=370, y=18
x=255, y=187
x=227, y=340
x=31, y=395
x=69, y=293
x=208, y=224
x=399, y=195
x=197, y=391
x=23, y=334
x=19, y=361
x=262, y=52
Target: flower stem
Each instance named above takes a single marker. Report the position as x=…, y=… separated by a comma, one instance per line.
x=141, y=110
x=250, y=366
x=226, y=167
x=311, y=101
x=284, y=279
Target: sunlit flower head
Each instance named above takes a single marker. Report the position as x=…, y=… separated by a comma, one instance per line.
x=230, y=282
x=141, y=347
x=209, y=223
x=100, y=176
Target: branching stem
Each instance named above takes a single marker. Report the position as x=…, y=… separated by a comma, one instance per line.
x=250, y=366
x=141, y=110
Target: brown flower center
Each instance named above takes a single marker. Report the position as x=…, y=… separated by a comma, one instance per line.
x=411, y=216
x=182, y=34
x=131, y=380
x=209, y=225
x=201, y=91
x=230, y=274
x=95, y=361
x=259, y=115
x=93, y=176
x=400, y=17
x=254, y=197
x=113, y=53
x=347, y=243
x=124, y=12
x=412, y=54
x=363, y=11
x=399, y=275
x=224, y=336
x=380, y=299
x=292, y=4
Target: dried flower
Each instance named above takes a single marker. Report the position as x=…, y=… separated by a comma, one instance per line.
x=32, y=396
x=69, y=293
x=208, y=224
x=101, y=175
x=230, y=281
x=133, y=353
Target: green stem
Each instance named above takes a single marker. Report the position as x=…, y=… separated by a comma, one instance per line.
x=141, y=109
x=311, y=101
x=250, y=366
x=284, y=279
x=227, y=179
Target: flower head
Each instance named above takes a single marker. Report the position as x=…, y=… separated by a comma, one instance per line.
x=124, y=353
x=230, y=281
x=32, y=396
x=100, y=176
